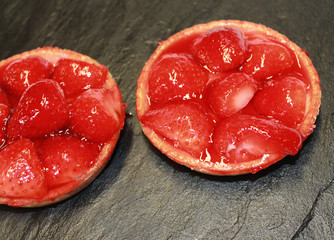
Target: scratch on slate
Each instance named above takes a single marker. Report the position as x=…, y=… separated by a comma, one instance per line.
x=310, y=214
x=243, y=219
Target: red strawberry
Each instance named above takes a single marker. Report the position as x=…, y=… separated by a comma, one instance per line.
x=282, y=98
x=220, y=49
x=265, y=60
x=176, y=76
x=42, y=109
x=21, y=174
x=4, y=98
x=76, y=76
x=244, y=138
x=4, y=114
x=20, y=74
x=229, y=95
x=65, y=158
x=96, y=114
x=184, y=124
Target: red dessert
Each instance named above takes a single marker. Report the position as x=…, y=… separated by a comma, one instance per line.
x=228, y=97
x=61, y=114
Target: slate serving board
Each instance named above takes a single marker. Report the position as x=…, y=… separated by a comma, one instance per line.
x=142, y=194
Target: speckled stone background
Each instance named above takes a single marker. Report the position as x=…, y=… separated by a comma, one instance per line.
x=141, y=194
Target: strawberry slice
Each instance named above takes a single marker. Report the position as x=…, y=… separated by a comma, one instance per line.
x=184, y=124
x=229, y=95
x=41, y=110
x=96, y=114
x=21, y=73
x=65, y=158
x=176, y=76
x=243, y=138
x=267, y=59
x=4, y=114
x=220, y=49
x=21, y=174
x=283, y=98
x=75, y=76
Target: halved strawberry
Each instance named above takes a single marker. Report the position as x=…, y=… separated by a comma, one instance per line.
x=4, y=114
x=283, y=98
x=21, y=174
x=243, y=138
x=220, y=49
x=65, y=158
x=21, y=73
x=176, y=76
x=266, y=60
x=96, y=115
x=41, y=110
x=185, y=125
x=76, y=76
x=229, y=95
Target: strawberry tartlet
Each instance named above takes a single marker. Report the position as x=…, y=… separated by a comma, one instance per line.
x=228, y=97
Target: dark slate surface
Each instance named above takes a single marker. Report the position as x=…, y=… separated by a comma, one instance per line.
x=143, y=195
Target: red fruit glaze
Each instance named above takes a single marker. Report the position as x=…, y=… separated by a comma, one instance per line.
x=243, y=138
x=65, y=157
x=283, y=98
x=21, y=73
x=41, y=110
x=176, y=76
x=185, y=125
x=220, y=49
x=267, y=59
x=256, y=107
x=46, y=156
x=75, y=76
x=94, y=116
x=21, y=174
x=229, y=95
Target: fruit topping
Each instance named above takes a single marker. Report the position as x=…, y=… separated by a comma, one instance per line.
x=185, y=125
x=56, y=135
x=66, y=157
x=257, y=100
x=21, y=73
x=75, y=76
x=176, y=76
x=283, y=98
x=229, y=95
x=21, y=174
x=243, y=138
x=41, y=110
x=265, y=60
x=220, y=49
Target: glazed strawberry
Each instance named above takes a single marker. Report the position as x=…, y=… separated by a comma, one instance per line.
x=244, y=138
x=229, y=95
x=176, y=77
x=283, y=98
x=220, y=49
x=42, y=109
x=65, y=157
x=4, y=114
x=75, y=76
x=95, y=115
x=185, y=125
x=21, y=73
x=266, y=60
x=3, y=97
x=21, y=174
